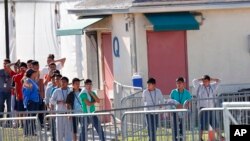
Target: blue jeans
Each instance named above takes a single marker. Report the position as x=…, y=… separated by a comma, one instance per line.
x=152, y=121
x=5, y=96
x=53, y=129
x=208, y=117
x=30, y=125
x=177, y=127
x=95, y=122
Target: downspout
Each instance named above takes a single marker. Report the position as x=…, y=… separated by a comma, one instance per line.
x=133, y=46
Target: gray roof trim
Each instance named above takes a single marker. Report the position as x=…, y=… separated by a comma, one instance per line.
x=96, y=12
x=166, y=7
x=188, y=7
x=177, y=2
x=40, y=1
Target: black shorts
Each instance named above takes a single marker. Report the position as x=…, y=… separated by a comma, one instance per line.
x=75, y=123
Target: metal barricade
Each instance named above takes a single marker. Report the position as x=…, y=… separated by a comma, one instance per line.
x=163, y=125
x=121, y=91
x=118, y=112
x=235, y=113
x=219, y=120
x=30, y=132
x=132, y=100
x=210, y=125
x=22, y=125
x=135, y=127
x=77, y=126
x=194, y=106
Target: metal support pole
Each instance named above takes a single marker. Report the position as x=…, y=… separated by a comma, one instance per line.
x=6, y=28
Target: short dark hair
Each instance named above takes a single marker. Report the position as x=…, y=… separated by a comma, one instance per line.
x=58, y=75
x=35, y=63
x=29, y=61
x=65, y=78
x=151, y=81
x=55, y=72
x=74, y=80
x=180, y=79
x=7, y=60
x=51, y=56
x=206, y=77
x=23, y=64
x=87, y=81
x=52, y=64
x=29, y=72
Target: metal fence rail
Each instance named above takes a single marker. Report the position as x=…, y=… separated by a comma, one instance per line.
x=193, y=104
x=209, y=123
x=122, y=91
x=31, y=131
x=107, y=131
x=132, y=121
x=156, y=125
x=235, y=113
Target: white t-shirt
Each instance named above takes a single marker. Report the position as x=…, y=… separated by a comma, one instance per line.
x=152, y=98
x=59, y=95
x=206, y=94
x=45, y=70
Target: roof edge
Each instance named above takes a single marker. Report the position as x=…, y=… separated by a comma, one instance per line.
x=161, y=8
x=193, y=7
x=96, y=12
x=40, y=1
x=185, y=2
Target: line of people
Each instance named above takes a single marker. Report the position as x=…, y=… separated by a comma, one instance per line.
x=32, y=89
x=205, y=88
x=14, y=81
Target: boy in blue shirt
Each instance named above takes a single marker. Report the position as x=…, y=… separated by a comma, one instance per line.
x=181, y=95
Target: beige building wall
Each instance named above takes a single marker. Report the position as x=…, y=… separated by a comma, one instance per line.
x=122, y=64
x=220, y=48
x=142, y=25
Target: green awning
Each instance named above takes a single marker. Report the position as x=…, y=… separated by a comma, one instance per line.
x=77, y=27
x=172, y=21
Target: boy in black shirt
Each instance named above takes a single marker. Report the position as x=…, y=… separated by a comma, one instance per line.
x=73, y=103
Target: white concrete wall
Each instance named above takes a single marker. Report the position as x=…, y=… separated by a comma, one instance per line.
x=141, y=46
x=84, y=52
x=122, y=64
x=220, y=48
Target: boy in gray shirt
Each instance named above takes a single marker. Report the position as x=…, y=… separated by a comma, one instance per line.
x=151, y=97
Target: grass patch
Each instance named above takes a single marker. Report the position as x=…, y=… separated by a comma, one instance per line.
x=163, y=134
x=9, y=134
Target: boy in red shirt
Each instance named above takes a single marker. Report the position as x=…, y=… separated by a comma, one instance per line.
x=19, y=85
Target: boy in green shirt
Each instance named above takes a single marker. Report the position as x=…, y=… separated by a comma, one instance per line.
x=88, y=99
x=181, y=95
